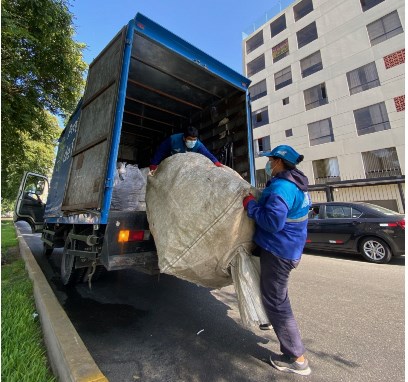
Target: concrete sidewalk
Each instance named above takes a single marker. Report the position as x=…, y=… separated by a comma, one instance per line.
x=68, y=355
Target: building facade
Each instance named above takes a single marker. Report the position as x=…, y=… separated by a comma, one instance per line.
x=328, y=79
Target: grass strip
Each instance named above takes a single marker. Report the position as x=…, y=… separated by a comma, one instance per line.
x=23, y=352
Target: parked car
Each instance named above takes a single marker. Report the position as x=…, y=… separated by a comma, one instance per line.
x=375, y=232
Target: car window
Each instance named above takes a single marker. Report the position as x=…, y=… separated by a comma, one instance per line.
x=356, y=213
x=338, y=212
x=314, y=212
x=382, y=210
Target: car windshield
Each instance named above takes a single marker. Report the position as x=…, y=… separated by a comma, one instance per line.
x=383, y=210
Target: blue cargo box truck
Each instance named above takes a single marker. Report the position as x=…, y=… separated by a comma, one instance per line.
x=144, y=86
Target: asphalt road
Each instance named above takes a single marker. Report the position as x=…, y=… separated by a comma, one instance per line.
x=144, y=328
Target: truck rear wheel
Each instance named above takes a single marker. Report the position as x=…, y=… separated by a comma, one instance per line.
x=70, y=275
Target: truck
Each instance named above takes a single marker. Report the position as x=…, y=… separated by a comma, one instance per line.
x=144, y=86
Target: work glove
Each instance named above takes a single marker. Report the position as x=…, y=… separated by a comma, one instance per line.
x=218, y=164
x=153, y=167
x=247, y=199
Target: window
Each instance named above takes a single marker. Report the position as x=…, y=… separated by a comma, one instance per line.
x=288, y=133
x=261, y=145
x=283, y=78
x=280, y=51
x=384, y=28
x=278, y=25
x=302, y=9
x=285, y=101
x=326, y=170
x=256, y=65
x=258, y=90
x=306, y=35
x=371, y=119
x=367, y=4
x=254, y=42
x=381, y=163
x=315, y=96
x=260, y=117
x=342, y=212
x=320, y=132
x=363, y=78
x=311, y=64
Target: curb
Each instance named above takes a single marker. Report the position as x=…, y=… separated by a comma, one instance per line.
x=68, y=355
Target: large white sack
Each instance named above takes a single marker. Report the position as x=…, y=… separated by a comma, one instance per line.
x=197, y=220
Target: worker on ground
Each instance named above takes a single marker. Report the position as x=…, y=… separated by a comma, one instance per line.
x=281, y=216
x=182, y=143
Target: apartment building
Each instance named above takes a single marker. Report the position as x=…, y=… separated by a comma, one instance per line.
x=328, y=79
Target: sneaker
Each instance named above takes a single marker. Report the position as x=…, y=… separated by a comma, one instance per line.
x=288, y=364
x=265, y=327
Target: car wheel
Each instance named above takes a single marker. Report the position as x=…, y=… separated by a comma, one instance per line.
x=375, y=250
x=70, y=275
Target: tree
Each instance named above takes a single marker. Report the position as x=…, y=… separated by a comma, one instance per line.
x=42, y=74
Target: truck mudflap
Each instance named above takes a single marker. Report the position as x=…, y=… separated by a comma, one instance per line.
x=128, y=243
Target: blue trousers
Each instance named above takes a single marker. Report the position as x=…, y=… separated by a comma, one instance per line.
x=274, y=288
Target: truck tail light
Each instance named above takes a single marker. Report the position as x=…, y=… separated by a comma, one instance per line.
x=126, y=235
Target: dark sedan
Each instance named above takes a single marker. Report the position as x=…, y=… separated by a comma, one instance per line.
x=375, y=232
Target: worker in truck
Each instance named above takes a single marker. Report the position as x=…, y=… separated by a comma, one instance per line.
x=281, y=215
x=182, y=143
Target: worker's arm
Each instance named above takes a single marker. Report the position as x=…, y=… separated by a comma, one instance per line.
x=204, y=151
x=272, y=215
x=163, y=151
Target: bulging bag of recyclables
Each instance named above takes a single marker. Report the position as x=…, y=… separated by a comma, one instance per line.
x=201, y=230
x=129, y=188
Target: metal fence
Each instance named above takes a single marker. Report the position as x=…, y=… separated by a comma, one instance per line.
x=386, y=192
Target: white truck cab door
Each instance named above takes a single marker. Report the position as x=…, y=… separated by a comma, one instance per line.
x=31, y=200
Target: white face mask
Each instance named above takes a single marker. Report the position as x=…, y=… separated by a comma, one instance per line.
x=191, y=144
x=268, y=168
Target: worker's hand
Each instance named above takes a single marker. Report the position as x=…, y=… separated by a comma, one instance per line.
x=153, y=167
x=218, y=164
x=247, y=199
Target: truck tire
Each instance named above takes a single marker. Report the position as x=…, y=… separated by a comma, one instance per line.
x=69, y=275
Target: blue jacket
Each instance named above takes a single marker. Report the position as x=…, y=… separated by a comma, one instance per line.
x=281, y=215
x=175, y=144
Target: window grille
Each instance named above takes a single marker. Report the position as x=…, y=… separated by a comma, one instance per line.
x=320, y=132
x=278, y=25
x=254, y=42
x=256, y=65
x=371, y=119
x=311, y=64
x=315, y=96
x=381, y=163
x=302, y=9
x=283, y=78
x=307, y=35
x=258, y=90
x=384, y=28
x=363, y=78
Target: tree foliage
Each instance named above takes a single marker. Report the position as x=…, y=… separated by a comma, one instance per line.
x=42, y=74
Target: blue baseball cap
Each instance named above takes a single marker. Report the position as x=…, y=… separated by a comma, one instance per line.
x=285, y=152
